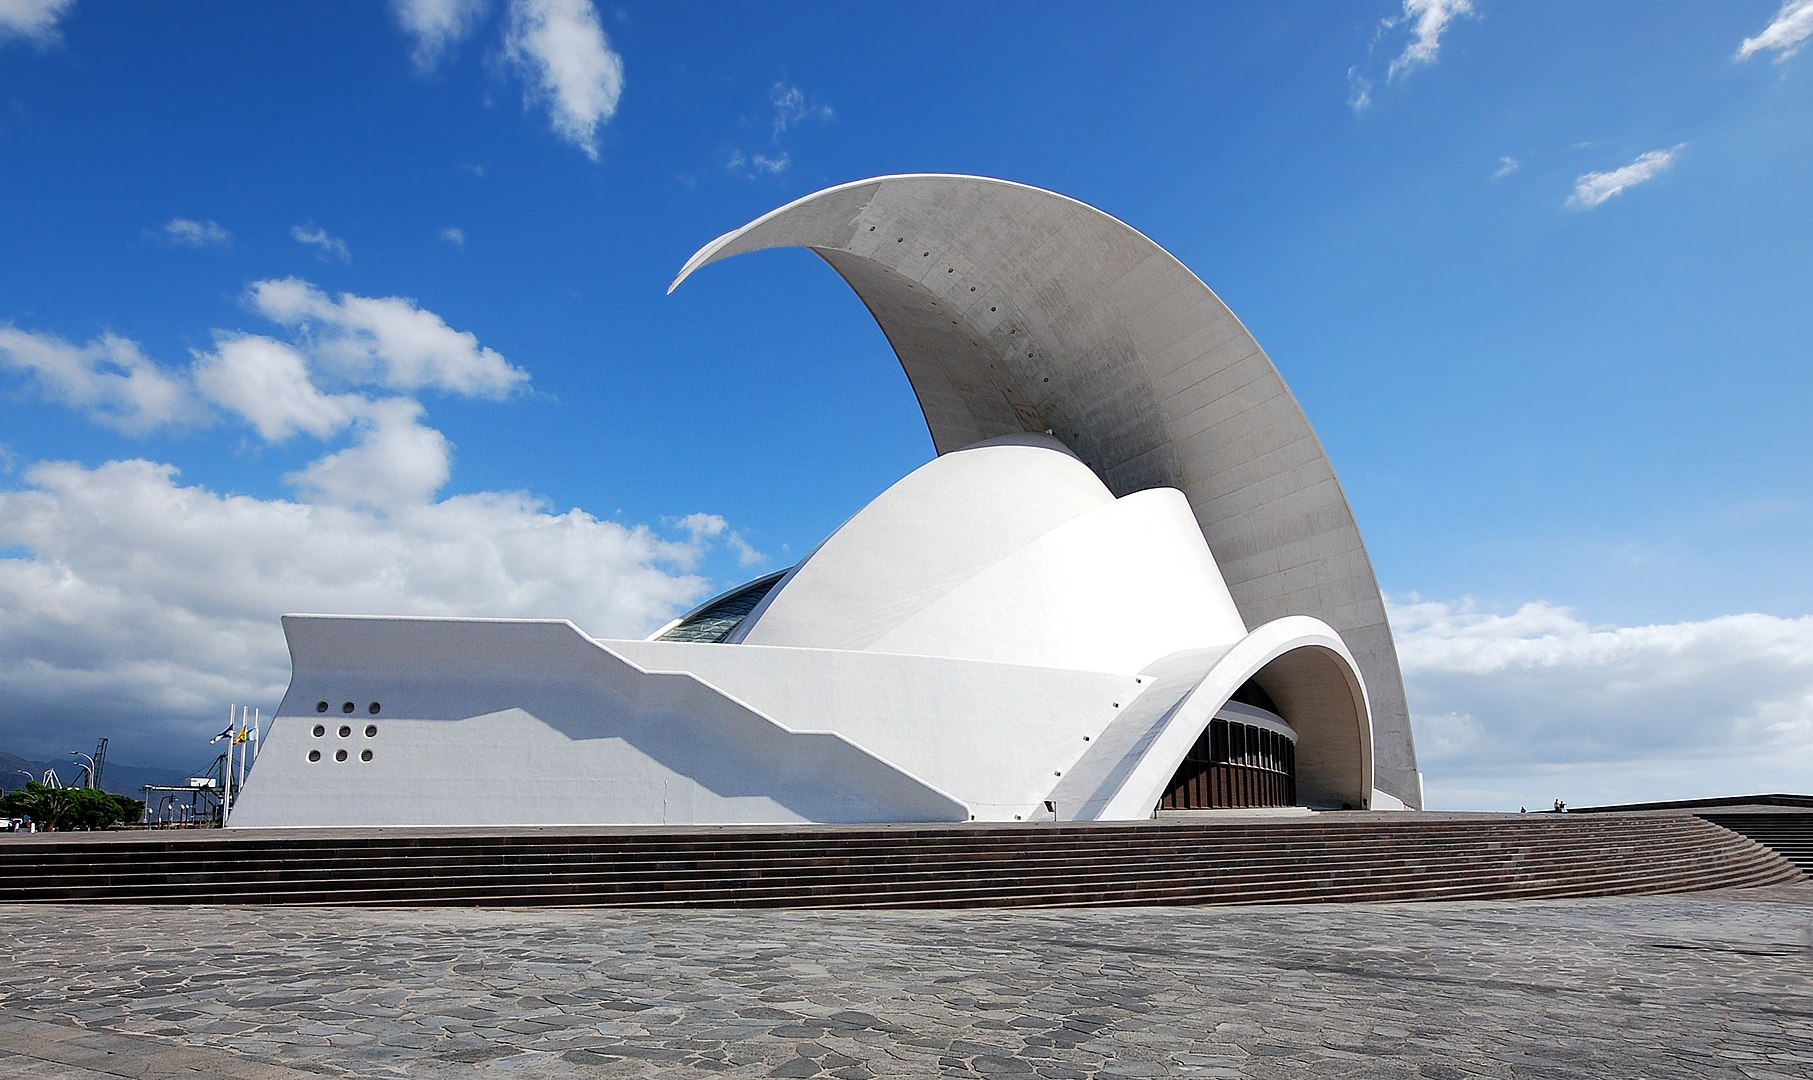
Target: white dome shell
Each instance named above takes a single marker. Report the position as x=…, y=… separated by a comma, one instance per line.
x=1011, y=551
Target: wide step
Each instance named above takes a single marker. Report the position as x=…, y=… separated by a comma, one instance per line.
x=1319, y=859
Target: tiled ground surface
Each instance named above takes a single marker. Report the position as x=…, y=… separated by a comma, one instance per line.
x=1705, y=985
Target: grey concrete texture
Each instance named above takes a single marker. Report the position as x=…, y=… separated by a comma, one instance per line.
x=1016, y=309
x=1704, y=985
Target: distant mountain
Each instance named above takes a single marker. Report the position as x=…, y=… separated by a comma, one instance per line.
x=121, y=779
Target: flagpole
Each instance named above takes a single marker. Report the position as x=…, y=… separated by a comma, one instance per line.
x=226, y=773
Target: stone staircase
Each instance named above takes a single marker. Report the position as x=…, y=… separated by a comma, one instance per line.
x=1789, y=834
x=1319, y=858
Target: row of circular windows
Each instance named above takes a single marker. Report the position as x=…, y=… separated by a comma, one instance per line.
x=347, y=706
x=346, y=731
x=339, y=755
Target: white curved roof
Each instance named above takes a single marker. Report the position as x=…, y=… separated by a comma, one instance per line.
x=1009, y=551
x=1014, y=309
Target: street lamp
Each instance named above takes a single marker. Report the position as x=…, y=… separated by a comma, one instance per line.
x=89, y=766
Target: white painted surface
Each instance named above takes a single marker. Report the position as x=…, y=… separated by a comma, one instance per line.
x=997, y=631
x=516, y=722
x=994, y=736
x=1014, y=309
x=1012, y=552
x=1325, y=706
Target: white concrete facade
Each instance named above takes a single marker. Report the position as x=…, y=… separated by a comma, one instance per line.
x=1038, y=623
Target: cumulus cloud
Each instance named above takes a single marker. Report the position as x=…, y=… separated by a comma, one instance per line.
x=384, y=342
x=1594, y=188
x=454, y=236
x=152, y=603
x=127, y=595
x=437, y=26
x=389, y=341
x=1520, y=708
x=1506, y=166
x=34, y=20
x=388, y=344
x=325, y=245
x=562, y=54
x=1784, y=35
x=109, y=379
x=267, y=383
x=398, y=461
x=190, y=233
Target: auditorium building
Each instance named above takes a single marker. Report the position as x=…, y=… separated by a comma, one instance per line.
x=1128, y=581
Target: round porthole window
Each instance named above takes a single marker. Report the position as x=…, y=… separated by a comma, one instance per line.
x=373, y=708
x=345, y=731
x=320, y=730
x=365, y=755
x=347, y=706
x=371, y=731
x=320, y=706
x=339, y=755
x=314, y=755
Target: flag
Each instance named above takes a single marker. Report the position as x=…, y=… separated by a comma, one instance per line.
x=241, y=737
x=227, y=734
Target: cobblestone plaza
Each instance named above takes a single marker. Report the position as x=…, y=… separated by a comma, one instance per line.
x=1711, y=984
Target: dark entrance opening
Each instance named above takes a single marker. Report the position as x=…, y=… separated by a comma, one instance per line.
x=1235, y=765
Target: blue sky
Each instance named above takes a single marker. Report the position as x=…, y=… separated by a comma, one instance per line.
x=360, y=307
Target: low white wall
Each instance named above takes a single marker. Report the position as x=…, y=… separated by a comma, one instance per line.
x=495, y=722
x=998, y=737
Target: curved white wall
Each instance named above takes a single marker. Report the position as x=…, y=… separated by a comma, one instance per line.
x=942, y=524
x=1017, y=309
x=1012, y=552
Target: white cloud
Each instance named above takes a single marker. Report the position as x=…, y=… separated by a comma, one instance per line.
x=455, y=236
x=397, y=462
x=267, y=383
x=746, y=553
x=562, y=54
x=1594, y=188
x=791, y=108
x=146, y=604
x=1789, y=30
x=318, y=238
x=1359, y=90
x=34, y=20
x=108, y=378
x=1521, y=708
x=384, y=342
x=1506, y=166
x=1427, y=20
x=388, y=341
x=192, y=233
x=130, y=598
x=438, y=26
x=702, y=527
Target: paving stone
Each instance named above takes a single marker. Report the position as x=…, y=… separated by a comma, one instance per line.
x=1442, y=991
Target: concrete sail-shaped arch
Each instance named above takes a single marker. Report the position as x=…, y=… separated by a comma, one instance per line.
x=1015, y=309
